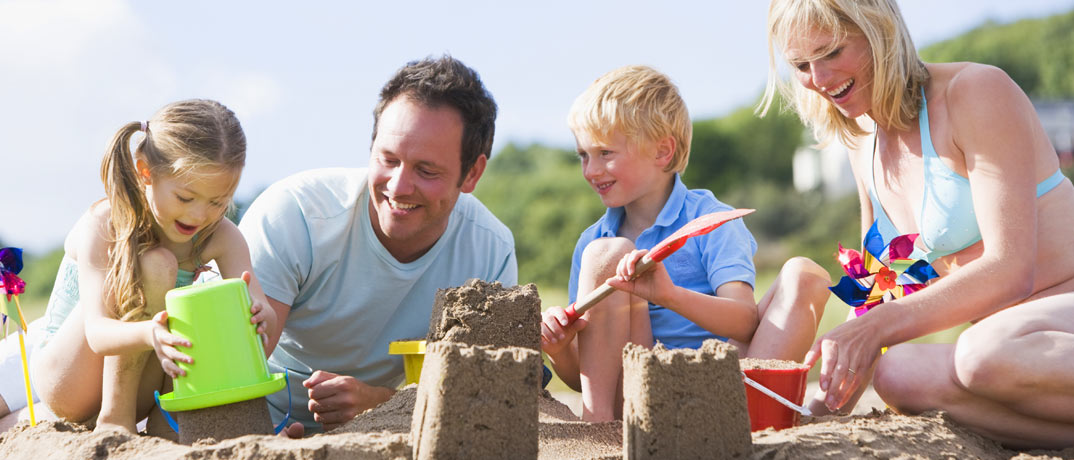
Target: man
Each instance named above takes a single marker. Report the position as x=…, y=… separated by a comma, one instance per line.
x=351, y=259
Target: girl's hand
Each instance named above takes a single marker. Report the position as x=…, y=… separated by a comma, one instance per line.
x=849, y=352
x=262, y=315
x=653, y=285
x=556, y=336
x=164, y=343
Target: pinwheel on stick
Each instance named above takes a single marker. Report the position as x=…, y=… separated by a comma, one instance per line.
x=12, y=286
x=873, y=277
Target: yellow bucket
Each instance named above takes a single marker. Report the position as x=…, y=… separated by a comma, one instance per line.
x=413, y=352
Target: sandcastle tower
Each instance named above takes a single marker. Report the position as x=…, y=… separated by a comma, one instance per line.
x=684, y=403
x=476, y=402
x=478, y=393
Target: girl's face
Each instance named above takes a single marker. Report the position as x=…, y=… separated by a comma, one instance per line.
x=183, y=205
x=839, y=69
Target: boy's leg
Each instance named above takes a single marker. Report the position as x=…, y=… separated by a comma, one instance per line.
x=790, y=312
x=127, y=379
x=600, y=344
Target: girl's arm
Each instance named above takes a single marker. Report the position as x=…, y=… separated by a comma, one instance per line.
x=105, y=334
x=232, y=255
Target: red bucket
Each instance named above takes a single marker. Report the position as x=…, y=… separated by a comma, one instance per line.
x=767, y=412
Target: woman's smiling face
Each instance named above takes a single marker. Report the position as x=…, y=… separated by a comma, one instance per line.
x=838, y=68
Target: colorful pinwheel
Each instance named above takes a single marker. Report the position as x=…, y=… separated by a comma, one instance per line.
x=873, y=277
x=12, y=286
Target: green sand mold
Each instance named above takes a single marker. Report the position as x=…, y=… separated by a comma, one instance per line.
x=229, y=360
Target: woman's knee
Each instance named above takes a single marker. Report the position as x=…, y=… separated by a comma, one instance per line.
x=987, y=360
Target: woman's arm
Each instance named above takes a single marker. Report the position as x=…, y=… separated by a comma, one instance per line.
x=993, y=124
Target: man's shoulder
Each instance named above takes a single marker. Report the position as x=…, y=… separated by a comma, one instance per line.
x=476, y=218
x=324, y=192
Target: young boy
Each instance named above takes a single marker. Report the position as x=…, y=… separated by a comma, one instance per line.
x=633, y=133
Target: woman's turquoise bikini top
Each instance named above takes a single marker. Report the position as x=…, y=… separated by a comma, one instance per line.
x=947, y=223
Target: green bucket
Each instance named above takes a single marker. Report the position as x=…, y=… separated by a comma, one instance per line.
x=229, y=361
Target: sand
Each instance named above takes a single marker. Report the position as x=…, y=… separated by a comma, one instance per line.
x=228, y=421
x=476, y=401
x=373, y=435
x=480, y=313
x=755, y=363
x=666, y=392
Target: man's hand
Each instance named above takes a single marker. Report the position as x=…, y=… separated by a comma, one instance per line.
x=336, y=399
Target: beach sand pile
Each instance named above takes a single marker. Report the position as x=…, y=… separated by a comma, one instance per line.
x=480, y=313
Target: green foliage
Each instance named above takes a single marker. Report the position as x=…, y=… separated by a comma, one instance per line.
x=730, y=152
x=540, y=194
x=39, y=272
x=1038, y=54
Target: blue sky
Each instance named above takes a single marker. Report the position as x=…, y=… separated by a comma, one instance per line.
x=303, y=76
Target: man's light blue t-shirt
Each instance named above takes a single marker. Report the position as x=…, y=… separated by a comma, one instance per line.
x=703, y=264
x=312, y=246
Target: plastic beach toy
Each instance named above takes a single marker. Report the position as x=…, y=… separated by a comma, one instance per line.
x=766, y=412
x=413, y=352
x=229, y=361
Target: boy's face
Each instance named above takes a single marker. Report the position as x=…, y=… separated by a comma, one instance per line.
x=622, y=172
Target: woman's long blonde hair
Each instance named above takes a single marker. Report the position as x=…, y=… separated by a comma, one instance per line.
x=898, y=72
x=180, y=138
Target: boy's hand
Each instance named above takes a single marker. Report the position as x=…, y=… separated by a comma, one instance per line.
x=653, y=285
x=164, y=343
x=556, y=336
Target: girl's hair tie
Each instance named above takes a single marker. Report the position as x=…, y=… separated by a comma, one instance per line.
x=145, y=127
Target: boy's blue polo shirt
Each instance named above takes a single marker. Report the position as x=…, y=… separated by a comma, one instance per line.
x=703, y=264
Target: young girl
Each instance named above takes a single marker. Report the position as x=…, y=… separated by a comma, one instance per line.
x=163, y=218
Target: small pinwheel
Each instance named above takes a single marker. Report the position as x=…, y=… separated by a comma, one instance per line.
x=11, y=286
x=872, y=278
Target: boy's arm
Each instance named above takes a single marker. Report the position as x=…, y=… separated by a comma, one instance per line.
x=731, y=313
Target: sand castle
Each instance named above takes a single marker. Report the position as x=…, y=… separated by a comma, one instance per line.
x=667, y=392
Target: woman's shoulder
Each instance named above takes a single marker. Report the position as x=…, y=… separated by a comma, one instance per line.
x=969, y=84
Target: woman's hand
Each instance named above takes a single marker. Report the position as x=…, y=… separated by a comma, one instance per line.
x=653, y=285
x=556, y=335
x=849, y=352
x=164, y=343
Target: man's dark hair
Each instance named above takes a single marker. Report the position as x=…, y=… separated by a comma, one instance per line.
x=448, y=82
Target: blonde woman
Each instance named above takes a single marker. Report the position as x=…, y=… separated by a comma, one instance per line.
x=162, y=219
x=955, y=152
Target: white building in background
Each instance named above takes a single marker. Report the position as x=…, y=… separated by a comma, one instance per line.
x=1057, y=117
x=828, y=169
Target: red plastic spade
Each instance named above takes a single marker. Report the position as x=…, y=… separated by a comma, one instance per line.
x=698, y=226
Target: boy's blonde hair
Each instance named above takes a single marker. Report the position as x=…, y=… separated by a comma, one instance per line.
x=639, y=102
x=898, y=72
x=180, y=139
